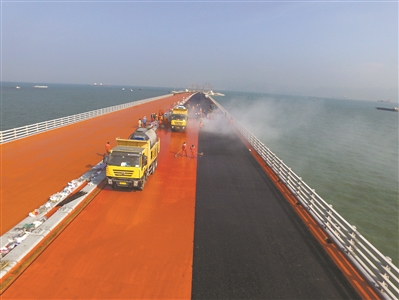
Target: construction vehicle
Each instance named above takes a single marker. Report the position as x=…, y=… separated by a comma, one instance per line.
x=134, y=159
x=179, y=117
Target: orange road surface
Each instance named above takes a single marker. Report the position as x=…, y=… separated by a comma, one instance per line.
x=36, y=167
x=125, y=244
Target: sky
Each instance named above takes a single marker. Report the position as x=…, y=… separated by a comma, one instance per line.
x=313, y=48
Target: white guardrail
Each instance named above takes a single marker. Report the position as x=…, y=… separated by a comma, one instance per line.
x=377, y=268
x=24, y=131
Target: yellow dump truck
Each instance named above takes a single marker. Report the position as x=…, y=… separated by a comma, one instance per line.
x=179, y=117
x=134, y=159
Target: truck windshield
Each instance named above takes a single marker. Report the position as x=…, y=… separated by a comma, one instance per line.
x=179, y=117
x=124, y=159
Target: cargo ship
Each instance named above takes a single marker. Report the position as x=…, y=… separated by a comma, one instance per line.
x=389, y=109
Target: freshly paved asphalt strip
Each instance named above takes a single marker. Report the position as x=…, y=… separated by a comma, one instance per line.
x=248, y=241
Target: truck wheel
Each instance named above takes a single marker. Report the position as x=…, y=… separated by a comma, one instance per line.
x=154, y=166
x=143, y=183
x=113, y=185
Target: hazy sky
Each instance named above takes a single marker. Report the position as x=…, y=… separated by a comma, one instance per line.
x=326, y=48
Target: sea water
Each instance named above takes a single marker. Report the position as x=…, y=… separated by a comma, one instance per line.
x=346, y=150
x=28, y=105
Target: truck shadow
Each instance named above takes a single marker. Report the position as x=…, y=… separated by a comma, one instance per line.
x=99, y=154
x=120, y=189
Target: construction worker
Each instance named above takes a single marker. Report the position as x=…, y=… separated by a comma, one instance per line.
x=139, y=123
x=108, y=148
x=192, y=148
x=200, y=124
x=184, y=149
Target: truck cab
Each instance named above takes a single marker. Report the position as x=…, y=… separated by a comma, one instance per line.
x=133, y=159
x=179, y=118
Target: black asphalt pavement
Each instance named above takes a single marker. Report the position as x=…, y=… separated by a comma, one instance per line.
x=248, y=241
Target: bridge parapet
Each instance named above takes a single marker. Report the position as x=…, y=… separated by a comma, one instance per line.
x=375, y=267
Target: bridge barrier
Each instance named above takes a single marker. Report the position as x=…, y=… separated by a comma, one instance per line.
x=375, y=267
x=28, y=130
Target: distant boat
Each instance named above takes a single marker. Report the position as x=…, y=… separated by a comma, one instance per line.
x=212, y=93
x=17, y=87
x=40, y=86
x=389, y=109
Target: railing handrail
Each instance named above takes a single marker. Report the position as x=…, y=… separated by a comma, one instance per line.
x=377, y=268
x=9, y=135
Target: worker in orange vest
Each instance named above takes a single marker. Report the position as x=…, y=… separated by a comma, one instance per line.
x=192, y=148
x=184, y=149
x=108, y=148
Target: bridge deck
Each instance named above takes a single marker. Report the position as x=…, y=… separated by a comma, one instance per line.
x=211, y=227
